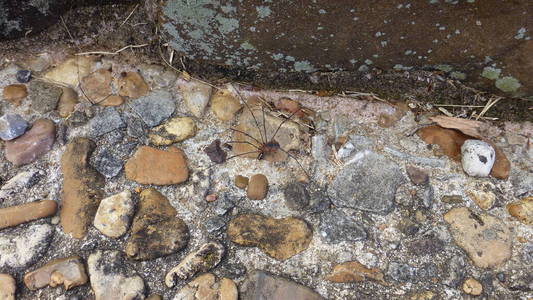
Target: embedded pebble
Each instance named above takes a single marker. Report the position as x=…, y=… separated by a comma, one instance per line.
x=225, y=105
x=8, y=287
x=114, y=213
x=23, y=213
x=483, y=198
x=477, y=158
x=417, y=176
x=96, y=86
x=44, y=96
x=132, y=85
x=67, y=102
x=206, y=287
x=262, y=285
x=241, y=181
x=21, y=247
x=107, y=163
x=173, y=131
x=354, y=271
x=105, y=121
x=18, y=183
x=68, y=271
x=472, y=287
x=296, y=196
x=368, y=181
x=215, y=152
x=522, y=210
x=82, y=188
x=15, y=93
x=154, y=108
x=196, y=95
x=257, y=187
x=111, y=277
x=485, y=238
x=71, y=70
x=202, y=260
x=156, y=231
x=33, y=144
x=23, y=76
x=12, y=126
x=157, y=76
x=278, y=238
x=335, y=227
x=160, y=167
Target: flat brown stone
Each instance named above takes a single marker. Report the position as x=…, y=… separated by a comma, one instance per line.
x=156, y=231
x=97, y=85
x=15, y=93
x=82, y=188
x=32, y=144
x=8, y=287
x=160, y=167
x=354, y=271
x=522, y=210
x=486, y=239
x=278, y=238
x=67, y=102
x=257, y=187
x=68, y=271
x=132, y=85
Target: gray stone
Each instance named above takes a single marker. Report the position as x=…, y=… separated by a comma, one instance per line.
x=21, y=247
x=426, y=195
x=527, y=253
x=319, y=147
x=318, y=200
x=106, y=120
x=455, y=271
x=406, y=273
x=223, y=205
x=195, y=94
x=430, y=162
x=136, y=127
x=215, y=224
x=367, y=182
x=107, y=163
x=18, y=183
x=12, y=126
x=44, y=96
x=477, y=158
x=156, y=75
x=335, y=227
x=154, y=108
x=296, y=196
x=262, y=285
x=112, y=278
x=522, y=182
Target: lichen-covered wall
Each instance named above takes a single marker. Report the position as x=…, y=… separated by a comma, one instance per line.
x=487, y=43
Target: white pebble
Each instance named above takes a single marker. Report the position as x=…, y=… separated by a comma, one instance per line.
x=477, y=157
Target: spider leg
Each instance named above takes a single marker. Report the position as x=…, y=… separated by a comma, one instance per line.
x=281, y=124
x=264, y=123
x=241, y=154
x=246, y=134
x=292, y=156
x=244, y=142
x=253, y=116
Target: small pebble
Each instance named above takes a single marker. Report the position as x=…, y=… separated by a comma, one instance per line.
x=15, y=93
x=472, y=287
x=477, y=158
x=12, y=126
x=114, y=214
x=23, y=76
x=257, y=187
x=241, y=181
x=215, y=153
x=225, y=105
x=211, y=197
x=417, y=176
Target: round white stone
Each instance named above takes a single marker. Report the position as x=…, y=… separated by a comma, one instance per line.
x=477, y=158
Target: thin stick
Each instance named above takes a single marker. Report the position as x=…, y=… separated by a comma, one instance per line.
x=458, y=105
x=253, y=116
x=246, y=134
x=66, y=28
x=131, y=13
x=264, y=122
x=112, y=53
x=281, y=124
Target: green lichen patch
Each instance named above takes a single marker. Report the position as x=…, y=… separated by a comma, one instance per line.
x=508, y=84
x=491, y=73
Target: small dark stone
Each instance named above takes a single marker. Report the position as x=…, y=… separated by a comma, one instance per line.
x=318, y=200
x=214, y=224
x=223, y=205
x=426, y=246
x=425, y=195
x=106, y=163
x=501, y=276
x=105, y=121
x=402, y=272
x=154, y=108
x=408, y=227
x=77, y=118
x=335, y=226
x=215, y=153
x=136, y=127
x=296, y=196
x=454, y=271
x=23, y=76
x=482, y=158
x=417, y=176
x=44, y=96
x=527, y=253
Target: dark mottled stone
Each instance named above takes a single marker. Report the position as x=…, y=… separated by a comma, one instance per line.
x=105, y=120
x=296, y=195
x=335, y=227
x=107, y=163
x=215, y=152
x=154, y=108
x=23, y=76
x=44, y=96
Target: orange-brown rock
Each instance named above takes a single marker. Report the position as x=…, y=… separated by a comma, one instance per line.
x=522, y=210
x=132, y=85
x=32, y=144
x=82, y=188
x=15, y=93
x=278, y=238
x=257, y=187
x=97, y=85
x=15, y=215
x=67, y=102
x=354, y=271
x=161, y=167
x=68, y=271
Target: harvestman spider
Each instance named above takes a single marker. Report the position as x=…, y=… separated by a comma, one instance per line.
x=262, y=145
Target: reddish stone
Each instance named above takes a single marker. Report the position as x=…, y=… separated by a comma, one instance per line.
x=33, y=144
